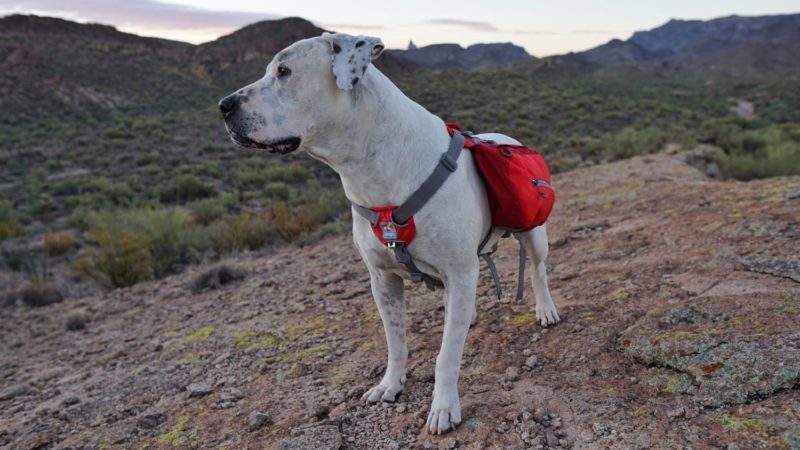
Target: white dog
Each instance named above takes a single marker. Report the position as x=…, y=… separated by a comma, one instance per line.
x=323, y=96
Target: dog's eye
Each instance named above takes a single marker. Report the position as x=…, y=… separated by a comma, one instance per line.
x=283, y=71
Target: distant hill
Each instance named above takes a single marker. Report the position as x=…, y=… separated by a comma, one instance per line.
x=63, y=67
x=58, y=66
x=734, y=45
x=240, y=57
x=448, y=56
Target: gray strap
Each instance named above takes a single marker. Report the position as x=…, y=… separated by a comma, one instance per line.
x=404, y=257
x=495, y=276
x=447, y=165
x=523, y=255
x=366, y=213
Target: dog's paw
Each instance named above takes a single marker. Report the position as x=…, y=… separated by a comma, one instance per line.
x=547, y=315
x=444, y=415
x=386, y=391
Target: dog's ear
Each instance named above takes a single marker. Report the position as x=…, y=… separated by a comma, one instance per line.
x=351, y=56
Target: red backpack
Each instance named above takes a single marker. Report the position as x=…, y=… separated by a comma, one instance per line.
x=517, y=181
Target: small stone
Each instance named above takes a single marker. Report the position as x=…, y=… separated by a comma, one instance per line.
x=355, y=392
x=535, y=337
x=231, y=395
x=13, y=391
x=70, y=401
x=151, y=421
x=532, y=361
x=512, y=373
x=257, y=420
x=527, y=352
x=675, y=413
x=199, y=389
x=320, y=411
x=448, y=444
x=401, y=408
x=538, y=414
x=551, y=438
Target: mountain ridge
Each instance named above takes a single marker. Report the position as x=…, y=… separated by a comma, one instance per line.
x=719, y=45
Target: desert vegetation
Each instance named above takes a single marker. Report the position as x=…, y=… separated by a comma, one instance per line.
x=137, y=189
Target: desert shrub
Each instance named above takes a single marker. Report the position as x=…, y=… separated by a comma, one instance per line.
x=40, y=293
x=118, y=258
x=237, y=233
x=277, y=190
x=254, y=172
x=10, y=228
x=95, y=192
x=18, y=259
x=166, y=230
x=185, y=187
x=145, y=159
x=208, y=210
x=769, y=152
x=292, y=223
x=631, y=142
x=288, y=173
x=171, y=239
x=57, y=243
x=216, y=277
x=76, y=320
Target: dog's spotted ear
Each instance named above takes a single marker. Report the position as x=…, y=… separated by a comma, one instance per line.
x=351, y=55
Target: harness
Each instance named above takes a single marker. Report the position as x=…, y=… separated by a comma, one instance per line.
x=394, y=225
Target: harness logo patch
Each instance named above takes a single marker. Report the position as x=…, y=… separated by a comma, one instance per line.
x=388, y=231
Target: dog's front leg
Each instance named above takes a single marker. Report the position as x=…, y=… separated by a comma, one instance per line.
x=460, y=290
x=387, y=289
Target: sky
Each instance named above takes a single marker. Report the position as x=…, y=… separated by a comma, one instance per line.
x=543, y=27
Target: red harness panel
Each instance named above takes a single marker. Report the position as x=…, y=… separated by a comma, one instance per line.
x=386, y=230
x=518, y=183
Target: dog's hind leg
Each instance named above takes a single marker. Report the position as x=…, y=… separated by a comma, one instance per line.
x=460, y=290
x=535, y=242
x=387, y=289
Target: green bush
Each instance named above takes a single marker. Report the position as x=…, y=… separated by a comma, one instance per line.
x=237, y=233
x=208, y=210
x=277, y=190
x=769, y=152
x=171, y=240
x=631, y=142
x=115, y=258
x=186, y=187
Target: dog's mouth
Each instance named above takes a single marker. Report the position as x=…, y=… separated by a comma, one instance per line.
x=281, y=146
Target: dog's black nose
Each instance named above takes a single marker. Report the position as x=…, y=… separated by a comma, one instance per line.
x=228, y=105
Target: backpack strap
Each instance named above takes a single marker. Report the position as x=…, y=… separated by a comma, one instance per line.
x=448, y=163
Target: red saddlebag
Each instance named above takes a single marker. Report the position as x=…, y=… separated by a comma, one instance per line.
x=518, y=183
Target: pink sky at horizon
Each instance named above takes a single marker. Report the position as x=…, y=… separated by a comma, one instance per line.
x=543, y=28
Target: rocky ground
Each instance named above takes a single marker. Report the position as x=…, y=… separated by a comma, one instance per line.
x=680, y=305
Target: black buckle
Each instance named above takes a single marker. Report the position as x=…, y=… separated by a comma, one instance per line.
x=401, y=253
x=448, y=162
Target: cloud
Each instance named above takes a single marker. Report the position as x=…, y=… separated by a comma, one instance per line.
x=476, y=26
x=594, y=32
x=140, y=14
x=351, y=26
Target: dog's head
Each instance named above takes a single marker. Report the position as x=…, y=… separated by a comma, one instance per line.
x=307, y=86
